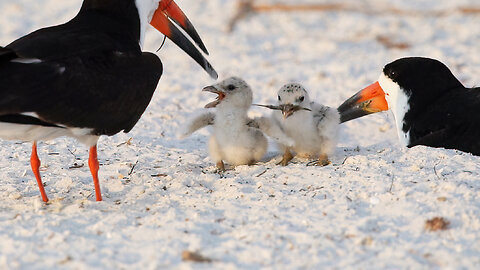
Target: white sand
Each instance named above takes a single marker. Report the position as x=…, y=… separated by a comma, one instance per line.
x=368, y=213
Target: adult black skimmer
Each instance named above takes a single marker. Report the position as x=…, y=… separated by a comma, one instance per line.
x=87, y=77
x=431, y=107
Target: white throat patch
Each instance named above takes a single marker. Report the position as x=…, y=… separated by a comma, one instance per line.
x=146, y=9
x=398, y=103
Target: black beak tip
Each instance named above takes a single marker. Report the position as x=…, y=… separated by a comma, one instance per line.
x=349, y=103
x=192, y=32
x=184, y=43
x=352, y=112
x=211, y=71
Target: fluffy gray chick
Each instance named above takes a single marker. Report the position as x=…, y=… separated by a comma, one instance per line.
x=314, y=130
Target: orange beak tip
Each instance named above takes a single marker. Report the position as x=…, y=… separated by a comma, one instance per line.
x=367, y=101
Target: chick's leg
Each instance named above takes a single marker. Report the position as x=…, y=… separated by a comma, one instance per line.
x=220, y=167
x=287, y=156
x=216, y=154
x=321, y=161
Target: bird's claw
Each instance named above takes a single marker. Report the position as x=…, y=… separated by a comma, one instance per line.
x=287, y=156
x=220, y=169
x=220, y=173
x=283, y=162
x=319, y=162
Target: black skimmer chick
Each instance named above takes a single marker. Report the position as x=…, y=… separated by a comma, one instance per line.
x=313, y=126
x=430, y=106
x=236, y=139
x=89, y=76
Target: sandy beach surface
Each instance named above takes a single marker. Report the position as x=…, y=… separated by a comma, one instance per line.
x=164, y=203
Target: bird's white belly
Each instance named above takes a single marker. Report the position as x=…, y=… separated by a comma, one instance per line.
x=19, y=132
x=308, y=143
x=242, y=146
x=10, y=131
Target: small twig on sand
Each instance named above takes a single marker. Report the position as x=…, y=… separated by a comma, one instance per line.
x=189, y=256
x=133, y=168
x=389, y=43
x=343, y=162
x=435, y=170
x=129, y=142
x=75, y=164
x=159, y=175
x=298, y=7
x=282, y=107
x=391, y=185
x=262, y=173
x=467, y=10
x=73, y=152
x=244, y=7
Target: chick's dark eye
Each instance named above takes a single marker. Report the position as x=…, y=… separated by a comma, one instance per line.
x=279, y=98
x=231, y=87
x=302, y=98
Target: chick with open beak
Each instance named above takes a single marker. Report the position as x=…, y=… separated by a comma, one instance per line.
x=312, y=126
x=236, y=139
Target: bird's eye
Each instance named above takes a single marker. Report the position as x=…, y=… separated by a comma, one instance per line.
x=231, y=87
x=302, y=98
x=279, y=98
x=392, y=74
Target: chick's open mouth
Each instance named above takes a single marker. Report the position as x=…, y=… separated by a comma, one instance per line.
x=219, y=98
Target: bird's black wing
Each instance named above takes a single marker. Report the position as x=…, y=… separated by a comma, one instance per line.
x=6, y=54
x=452, y=122
x=87, y=78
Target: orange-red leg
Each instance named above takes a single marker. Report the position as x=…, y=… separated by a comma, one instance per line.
x=94, y=166
x=35, y=162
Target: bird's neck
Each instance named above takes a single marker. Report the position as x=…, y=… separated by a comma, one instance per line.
x=398, y=103
x=121, y=18
x=230, y=116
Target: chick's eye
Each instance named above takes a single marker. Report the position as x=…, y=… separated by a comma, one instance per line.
x=302, y=98
x=279, y=98
x=231, y=87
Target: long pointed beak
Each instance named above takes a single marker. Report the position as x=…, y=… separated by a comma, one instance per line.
x=220, y=97
x=367, y=101
x=176, y=14
x=160, y=20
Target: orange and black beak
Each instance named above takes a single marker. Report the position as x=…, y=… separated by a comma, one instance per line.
x=367, y=101
x=169, y=11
